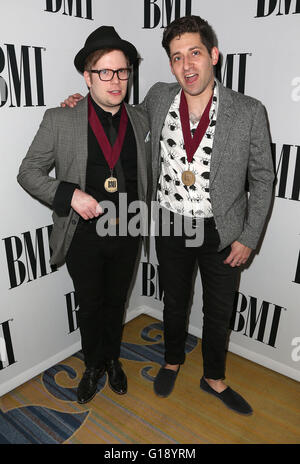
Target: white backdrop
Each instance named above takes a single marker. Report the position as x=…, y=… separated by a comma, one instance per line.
x=259, y=42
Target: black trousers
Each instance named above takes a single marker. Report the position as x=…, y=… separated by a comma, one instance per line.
x=101, y=269
x=219, y=281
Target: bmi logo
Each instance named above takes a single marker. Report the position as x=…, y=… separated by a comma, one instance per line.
x=135, y=95
x=150, y=281
x=28, y=256
x=163, y=12
x=23, y=84
x=72, y=311
x=255, y=320
x=82, y=8
x=232, y=71
x=7, y=356
x=277, y=7
x=287, y=160
x=297, y=274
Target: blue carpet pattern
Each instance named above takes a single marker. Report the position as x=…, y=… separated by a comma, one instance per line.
x=35, y=424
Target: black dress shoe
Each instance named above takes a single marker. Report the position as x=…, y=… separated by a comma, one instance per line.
x=165, y=381
x=230, y=398
x=117, y=379
x=87, y=387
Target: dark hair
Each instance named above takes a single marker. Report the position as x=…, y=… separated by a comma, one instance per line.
x=189, y=24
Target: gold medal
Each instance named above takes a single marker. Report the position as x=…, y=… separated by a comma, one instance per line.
x=111, y=184
x=188, y=178
x=110, y=153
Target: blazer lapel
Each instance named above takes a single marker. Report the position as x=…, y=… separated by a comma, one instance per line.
x=81, y=139
x=157, y=125
x=225, y=120
x=162, y=111
x=141, y=155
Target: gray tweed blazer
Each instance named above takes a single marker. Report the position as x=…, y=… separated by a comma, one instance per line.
x=61, y=142
x=241, y=151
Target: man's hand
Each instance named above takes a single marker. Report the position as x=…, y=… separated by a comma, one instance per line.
x=72, y=100
x=238, y=255
x=85, y=205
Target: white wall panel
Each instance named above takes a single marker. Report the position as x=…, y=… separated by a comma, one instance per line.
x=34, y=325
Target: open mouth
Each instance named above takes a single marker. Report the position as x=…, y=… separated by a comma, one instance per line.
x=191, y=78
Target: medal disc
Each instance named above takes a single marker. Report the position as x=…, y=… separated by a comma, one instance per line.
x=188, y=178
x=111, y=185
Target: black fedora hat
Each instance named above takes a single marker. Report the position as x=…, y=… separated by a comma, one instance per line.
x=104, y=37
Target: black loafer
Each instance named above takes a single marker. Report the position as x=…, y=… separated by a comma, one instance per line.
x=165, y=381
x=87, y=387
x=230, y=398
x=117, y=379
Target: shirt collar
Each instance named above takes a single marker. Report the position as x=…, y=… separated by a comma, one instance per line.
x=214, y=105
x=102, y=114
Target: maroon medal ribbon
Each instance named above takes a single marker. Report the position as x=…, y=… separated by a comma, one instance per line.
x=192, y=143
x=111, y=154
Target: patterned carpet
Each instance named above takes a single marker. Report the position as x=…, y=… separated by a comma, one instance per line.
x=56, y=416
x=45, y=411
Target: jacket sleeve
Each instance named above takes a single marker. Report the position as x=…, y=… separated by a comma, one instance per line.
x=260, y=179
x=150, y=99
x=34, y=171
x=63, y=198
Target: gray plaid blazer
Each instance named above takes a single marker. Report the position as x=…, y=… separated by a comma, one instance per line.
x=241, y=151
x=61, y=142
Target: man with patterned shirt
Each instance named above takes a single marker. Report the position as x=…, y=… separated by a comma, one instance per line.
x=207, y=141
x=192, y=200
x=204, y=176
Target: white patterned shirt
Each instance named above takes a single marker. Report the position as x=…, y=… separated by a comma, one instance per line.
x=192, y=201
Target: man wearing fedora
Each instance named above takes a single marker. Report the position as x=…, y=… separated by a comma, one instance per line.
x=207, y=141
x=98, y=151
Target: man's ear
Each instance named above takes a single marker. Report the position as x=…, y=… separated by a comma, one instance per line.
x=87, y=78
x=171, y=67
x=214, y=55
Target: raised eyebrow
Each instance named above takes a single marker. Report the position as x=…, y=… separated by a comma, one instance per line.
x=197, y=47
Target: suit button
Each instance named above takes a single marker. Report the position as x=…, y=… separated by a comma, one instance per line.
x=74, y=222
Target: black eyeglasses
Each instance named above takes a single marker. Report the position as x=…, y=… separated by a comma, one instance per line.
x=108, y=74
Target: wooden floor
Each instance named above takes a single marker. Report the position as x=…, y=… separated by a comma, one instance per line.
x=188, y=416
